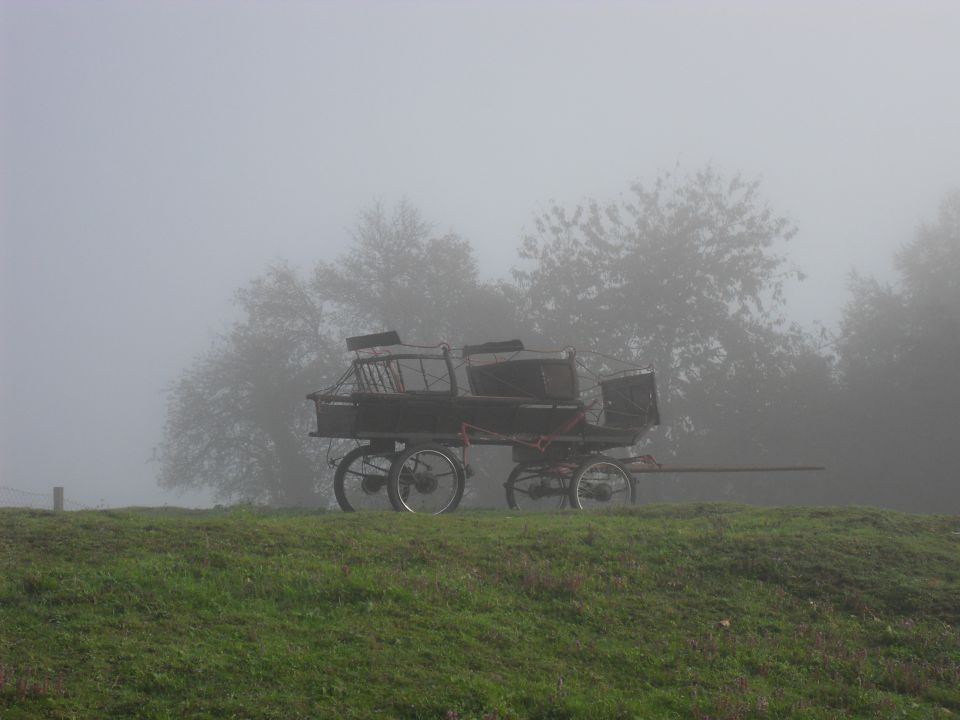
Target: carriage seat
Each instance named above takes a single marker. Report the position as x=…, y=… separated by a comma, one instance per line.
x=541, y=379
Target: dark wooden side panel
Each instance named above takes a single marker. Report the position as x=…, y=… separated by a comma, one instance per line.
x=336, y=421
x=546, y=420
x=402, y=415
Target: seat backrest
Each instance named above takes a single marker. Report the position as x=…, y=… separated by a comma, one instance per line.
x=544, y=379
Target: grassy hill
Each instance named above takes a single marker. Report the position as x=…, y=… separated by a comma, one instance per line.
x=688, y=611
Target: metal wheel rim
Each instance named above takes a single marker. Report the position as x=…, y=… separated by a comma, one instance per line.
x=444, y=482
x=359, y=477
x=601, y=483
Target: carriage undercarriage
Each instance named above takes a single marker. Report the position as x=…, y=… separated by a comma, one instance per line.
x=431, y=478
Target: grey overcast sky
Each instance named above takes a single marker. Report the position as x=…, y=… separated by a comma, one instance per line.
x=156, y=155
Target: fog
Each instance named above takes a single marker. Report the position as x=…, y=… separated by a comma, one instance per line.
x=156, y=156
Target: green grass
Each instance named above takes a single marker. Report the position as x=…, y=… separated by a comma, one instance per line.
x=688, y=611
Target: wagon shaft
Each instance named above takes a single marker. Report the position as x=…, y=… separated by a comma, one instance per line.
x=656, y=468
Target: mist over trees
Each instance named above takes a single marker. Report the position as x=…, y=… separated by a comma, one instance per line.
x=399, y=275
x=686, y=276
x=236, y=421
x=899, y=351
x=685, y=273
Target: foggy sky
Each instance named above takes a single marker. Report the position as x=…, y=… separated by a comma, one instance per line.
x=155, y=156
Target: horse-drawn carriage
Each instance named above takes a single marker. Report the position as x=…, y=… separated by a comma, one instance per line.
x=416, y=412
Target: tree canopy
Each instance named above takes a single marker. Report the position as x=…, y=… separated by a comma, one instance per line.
x=686, y=274
x=399, y=275
x=899, y=353
x=236, y=419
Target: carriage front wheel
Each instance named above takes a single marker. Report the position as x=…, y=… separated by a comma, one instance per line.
x=360, y=481
x=601, y=482
x=426, y=479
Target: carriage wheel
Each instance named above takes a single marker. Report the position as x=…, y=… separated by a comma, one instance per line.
x=601, y=482
x=538, y=485
x=426, y=479
x=360, y=481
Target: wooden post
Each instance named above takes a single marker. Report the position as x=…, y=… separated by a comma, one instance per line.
x=58, y=499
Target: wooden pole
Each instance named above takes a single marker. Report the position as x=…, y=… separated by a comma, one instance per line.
x=58, y=499
x=647, y=468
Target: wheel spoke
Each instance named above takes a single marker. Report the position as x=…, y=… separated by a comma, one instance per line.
x=601, y=482
x=538, y=486
x=360, y=481
x=426, y=479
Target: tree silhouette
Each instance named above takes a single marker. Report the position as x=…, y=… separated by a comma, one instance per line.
x=687, y=275
x=236, y=419
x=899, y=354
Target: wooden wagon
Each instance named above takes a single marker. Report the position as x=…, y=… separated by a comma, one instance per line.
x=415, y=413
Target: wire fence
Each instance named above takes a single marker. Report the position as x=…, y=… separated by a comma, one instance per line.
x=14, y=498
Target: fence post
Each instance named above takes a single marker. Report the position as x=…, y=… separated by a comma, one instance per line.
x=58, y=498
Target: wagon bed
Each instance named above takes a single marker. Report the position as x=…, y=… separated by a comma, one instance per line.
x=413, y=418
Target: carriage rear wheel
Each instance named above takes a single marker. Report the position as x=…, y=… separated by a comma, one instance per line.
x=536, y=485
x=360, y=481
x=426, y=479
x=601, y=482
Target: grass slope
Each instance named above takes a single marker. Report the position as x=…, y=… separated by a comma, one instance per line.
x=688, y=611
